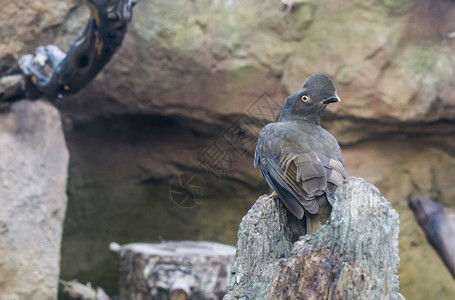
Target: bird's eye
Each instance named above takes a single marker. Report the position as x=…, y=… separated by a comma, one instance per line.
x=305, y=98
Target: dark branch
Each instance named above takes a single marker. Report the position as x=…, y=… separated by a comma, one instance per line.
x=51, y=73
x=438, y=223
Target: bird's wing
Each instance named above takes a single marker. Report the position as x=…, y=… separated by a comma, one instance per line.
x=335, y=172
x=295, y=171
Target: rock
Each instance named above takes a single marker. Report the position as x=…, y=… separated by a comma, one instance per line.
x=187, y=70
x=353, y=256
x=33, y=176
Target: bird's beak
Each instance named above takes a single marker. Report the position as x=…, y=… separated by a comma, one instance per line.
x=332, y=99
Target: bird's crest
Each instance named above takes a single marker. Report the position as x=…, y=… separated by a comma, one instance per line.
x=320, y=83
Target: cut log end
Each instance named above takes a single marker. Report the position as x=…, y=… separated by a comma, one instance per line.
x=174, y=270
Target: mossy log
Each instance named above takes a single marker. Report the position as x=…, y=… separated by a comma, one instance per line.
x=174, y=270
x=353, y=256
x=53, y=74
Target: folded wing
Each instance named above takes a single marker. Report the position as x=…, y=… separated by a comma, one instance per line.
x=297, y=173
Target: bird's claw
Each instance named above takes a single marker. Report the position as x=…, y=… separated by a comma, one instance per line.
x=273, y=195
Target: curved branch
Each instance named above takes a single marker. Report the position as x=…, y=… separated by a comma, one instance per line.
x=438, y=223
x=52, y=73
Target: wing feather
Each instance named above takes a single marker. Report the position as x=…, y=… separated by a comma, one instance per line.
x=297, y=172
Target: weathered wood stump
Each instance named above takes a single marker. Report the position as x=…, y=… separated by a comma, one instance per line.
x=354, y=256
x=174, y=270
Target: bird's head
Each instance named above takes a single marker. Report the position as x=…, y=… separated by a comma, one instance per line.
x=309, y=103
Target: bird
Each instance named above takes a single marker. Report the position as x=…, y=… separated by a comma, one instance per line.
x=300, y=160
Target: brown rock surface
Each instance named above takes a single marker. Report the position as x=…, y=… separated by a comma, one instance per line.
x=188, y=69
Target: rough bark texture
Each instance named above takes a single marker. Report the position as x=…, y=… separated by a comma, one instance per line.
x=354, y=256
x=266, y=234
x=438, y=222
x=52, y=73
x=174, y=270
x=33, y=174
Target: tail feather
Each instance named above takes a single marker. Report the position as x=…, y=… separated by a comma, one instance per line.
x=315, y=221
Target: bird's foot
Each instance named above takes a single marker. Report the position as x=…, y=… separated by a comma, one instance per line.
x=273, y=195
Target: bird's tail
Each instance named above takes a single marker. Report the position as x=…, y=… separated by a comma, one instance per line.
x=314, y=222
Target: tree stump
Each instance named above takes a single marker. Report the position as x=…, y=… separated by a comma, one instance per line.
x=354, y=256
x=174, y=270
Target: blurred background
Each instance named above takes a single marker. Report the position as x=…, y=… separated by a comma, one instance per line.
x=170, y=101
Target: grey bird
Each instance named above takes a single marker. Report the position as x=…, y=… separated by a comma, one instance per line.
x=300, y=160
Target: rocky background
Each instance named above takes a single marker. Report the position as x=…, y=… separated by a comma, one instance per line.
x=33, y=176
x=190, y=72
